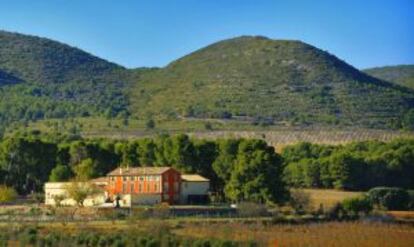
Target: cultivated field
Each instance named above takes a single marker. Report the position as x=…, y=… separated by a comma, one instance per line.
x=324, y=234
x=278, y=136
x=356, y=233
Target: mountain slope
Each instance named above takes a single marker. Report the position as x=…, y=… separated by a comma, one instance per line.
x=6, y=78
x=41, y=60
x=400, y=74
x=257, y=77
x=58, y=81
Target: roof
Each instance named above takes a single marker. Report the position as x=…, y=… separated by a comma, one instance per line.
x=139, y=171
x=99, y=180
x=193, y=178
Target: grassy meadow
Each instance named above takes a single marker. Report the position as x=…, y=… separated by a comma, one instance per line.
x=328, y=197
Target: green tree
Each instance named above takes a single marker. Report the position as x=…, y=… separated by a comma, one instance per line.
x=27, y=163
x=223, y=165
x=183, y=153
x=128, y=153
x=146, y=151
x=346, y=171
x=80, y=191
x=85, y=170
x=408, y=120
x=206, y=153
x=150, y=124
x=60, y=173
x=257, y=174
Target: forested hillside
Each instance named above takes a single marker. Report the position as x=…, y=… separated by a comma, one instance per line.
x=401, y=74
x=253, y=80
x=41, y=78
x=269, y=80
x=6, y=78
x=35, y=59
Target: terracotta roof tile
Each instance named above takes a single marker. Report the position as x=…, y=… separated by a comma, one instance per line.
x=139, y=171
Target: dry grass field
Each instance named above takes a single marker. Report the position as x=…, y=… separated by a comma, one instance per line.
x=328, y=197
x=355, y=233
x=321, y=234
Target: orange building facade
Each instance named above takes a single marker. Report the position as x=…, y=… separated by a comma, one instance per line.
x=157, y=184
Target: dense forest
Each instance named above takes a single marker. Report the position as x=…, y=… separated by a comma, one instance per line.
x=239, y=169
x=355, y=166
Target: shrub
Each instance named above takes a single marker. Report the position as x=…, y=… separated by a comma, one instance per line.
x=411, y=203
x=150, y=124
x=300, y=201
x=251, y=209
x=7, y=194
x=389, y=198
x=337, y=212
x=357, y=205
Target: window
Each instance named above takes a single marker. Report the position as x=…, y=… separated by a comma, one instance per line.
x=132, y=188
x=124, y=187
x=175, y=186
x=124, y=178
x=139, y=187
x=165, y=189
x=132, y=178
x=141, y=178
x=148, y=187
x=157, y=178
x=155, y=187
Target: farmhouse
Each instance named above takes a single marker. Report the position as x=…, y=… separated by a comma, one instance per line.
x=141, y=186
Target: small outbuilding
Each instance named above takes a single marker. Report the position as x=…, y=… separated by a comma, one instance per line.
x=194, y=189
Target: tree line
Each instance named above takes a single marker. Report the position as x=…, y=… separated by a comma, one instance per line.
x=355, y=166
x=239, y=169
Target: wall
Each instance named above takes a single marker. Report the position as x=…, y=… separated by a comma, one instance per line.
x=193, y=188
x=54, y=189
x=146, y=199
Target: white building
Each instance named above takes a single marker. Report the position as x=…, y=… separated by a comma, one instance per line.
x=194, y=189
x=54, y=190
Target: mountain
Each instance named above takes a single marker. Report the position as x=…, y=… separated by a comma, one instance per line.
x=35, y=59
x=400, y=74
x=260, y=78
x=56, y=81
x=6, y=78
x=248, y=78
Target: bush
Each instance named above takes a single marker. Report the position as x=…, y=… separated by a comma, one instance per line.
x=300, y=201
x=7, y=194
x=411, y=203
x=251, y=209
x=150, y=124
x=357, y=205
x=389, y=198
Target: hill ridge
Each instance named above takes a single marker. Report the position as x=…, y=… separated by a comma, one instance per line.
x=254, y=76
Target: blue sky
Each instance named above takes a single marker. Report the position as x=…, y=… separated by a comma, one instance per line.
x=364, y=33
